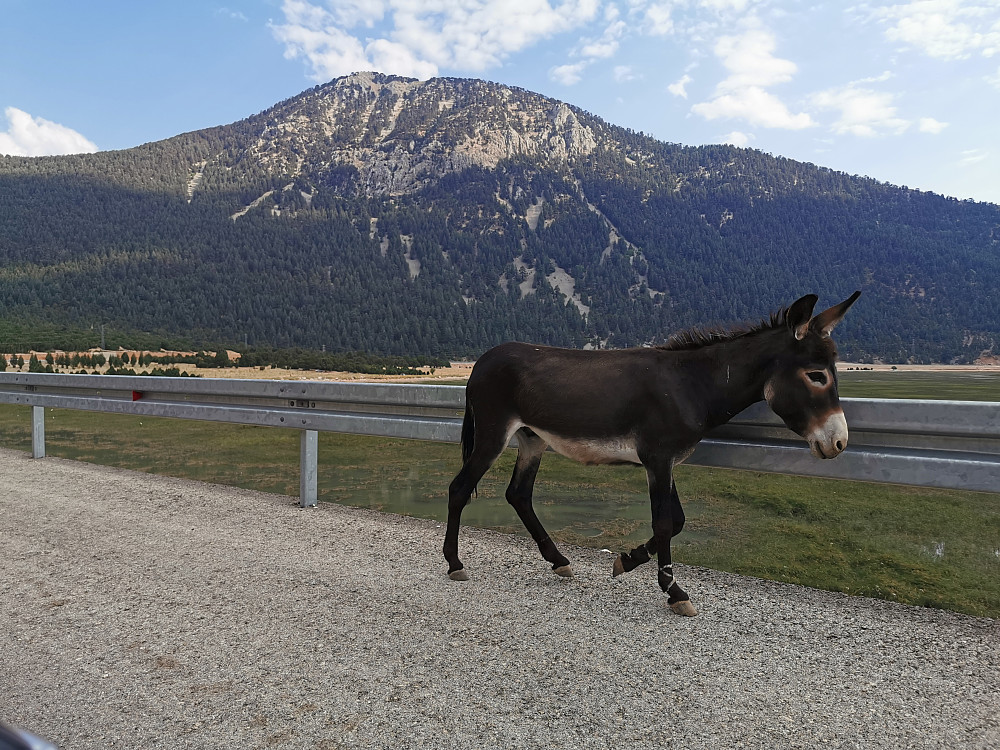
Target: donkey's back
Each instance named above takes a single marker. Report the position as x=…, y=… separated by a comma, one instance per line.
x=564, y=392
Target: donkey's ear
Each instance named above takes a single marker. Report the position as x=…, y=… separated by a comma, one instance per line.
x=799, y=314
x=828, y=319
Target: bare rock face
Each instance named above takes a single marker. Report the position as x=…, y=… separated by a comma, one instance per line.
x=396, y=135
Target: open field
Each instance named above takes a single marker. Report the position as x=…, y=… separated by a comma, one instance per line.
x=457, y=372
x=971, y=383
x=956, y=383
x=951, y=382
x=935, y=548
x=925, y=382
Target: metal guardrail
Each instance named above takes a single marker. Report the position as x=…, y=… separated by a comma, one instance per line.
x=948, y=444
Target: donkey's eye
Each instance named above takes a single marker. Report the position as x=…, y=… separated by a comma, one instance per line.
x=817, y=376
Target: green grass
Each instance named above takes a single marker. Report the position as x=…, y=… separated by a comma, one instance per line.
x=936, y=548
x=953, y=386
x=958, y=385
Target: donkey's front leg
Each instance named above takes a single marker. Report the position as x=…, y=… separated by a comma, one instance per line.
x=627, y=561
x=667, y=513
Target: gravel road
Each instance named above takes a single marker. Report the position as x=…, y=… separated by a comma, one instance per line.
x=141, y=611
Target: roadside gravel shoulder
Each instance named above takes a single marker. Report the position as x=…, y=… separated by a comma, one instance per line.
x=143, y=611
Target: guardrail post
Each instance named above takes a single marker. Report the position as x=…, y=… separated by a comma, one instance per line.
x=38, y=432
x=308, y=467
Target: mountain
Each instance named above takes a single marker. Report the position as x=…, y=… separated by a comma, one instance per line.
x=440, y=217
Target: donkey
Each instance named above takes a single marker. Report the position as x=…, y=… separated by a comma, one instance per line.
x=644, y=406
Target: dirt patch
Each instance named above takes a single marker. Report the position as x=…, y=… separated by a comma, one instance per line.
x=456, y=371
x=461, y=370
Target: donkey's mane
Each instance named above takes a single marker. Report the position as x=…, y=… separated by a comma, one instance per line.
x=700, y=337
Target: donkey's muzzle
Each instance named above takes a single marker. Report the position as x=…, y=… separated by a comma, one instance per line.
x=829, y=438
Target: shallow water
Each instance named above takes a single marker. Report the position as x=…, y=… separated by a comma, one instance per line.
x=612, y=511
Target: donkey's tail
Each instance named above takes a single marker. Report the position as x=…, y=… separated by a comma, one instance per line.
x=468, y=433
x=469, y=438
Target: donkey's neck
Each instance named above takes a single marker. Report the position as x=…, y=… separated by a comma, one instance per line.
x=735, y=373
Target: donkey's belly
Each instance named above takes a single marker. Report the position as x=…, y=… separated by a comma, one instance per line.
x=617, y=450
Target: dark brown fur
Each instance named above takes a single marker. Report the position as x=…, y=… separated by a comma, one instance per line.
x=646, y=406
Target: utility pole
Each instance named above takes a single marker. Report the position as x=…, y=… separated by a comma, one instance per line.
x=102, y=337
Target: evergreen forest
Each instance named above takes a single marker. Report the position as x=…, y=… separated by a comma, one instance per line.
x=439, y=218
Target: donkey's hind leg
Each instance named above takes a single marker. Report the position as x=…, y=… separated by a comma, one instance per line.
x=530, y=448
x=488, y=447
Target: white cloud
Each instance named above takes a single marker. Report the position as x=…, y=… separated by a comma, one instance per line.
x=750, y=60
x=34, y=136
x=737, y=138
x=973, y=156
x=392, y=56
x=353, y=12
x=607, y=45
x=658, y=15
x=994, y=80
x=233, y=14
x=753, y=67
x=880, y=78
x=863, y=112
x=568, y=74
x=946, y=29
x=420, y=38
x=624, y=73
x=930, y=125
x=330, y=51
x=658, y=20
x=756, y=106
x=720, y=6
x=679, y=87
x=591, y=50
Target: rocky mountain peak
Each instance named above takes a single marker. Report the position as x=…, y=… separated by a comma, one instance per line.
x=400, y=134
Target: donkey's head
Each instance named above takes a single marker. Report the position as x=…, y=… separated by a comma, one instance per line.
x=802, y=388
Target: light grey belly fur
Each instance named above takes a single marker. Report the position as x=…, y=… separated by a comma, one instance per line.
x=614, y=450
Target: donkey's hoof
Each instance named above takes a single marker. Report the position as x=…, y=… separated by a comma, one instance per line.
x=459, y=575
x=684, y=608
x=565, y=571
x=618, y=568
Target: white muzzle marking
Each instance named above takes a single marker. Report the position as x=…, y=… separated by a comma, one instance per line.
x=829, y=439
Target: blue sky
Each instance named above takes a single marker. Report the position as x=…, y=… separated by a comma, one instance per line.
x=906, y=92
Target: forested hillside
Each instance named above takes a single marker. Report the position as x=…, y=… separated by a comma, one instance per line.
x=389, y=215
